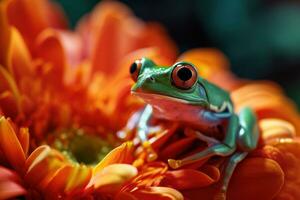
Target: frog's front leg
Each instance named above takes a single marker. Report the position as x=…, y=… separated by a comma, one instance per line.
x=142, y=131
x=227, y=147
x=142, y=126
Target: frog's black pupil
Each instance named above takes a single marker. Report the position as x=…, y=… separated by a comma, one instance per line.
x=184, y=74
x=133, y=68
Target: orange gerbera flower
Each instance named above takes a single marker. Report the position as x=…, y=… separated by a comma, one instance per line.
x=63, y=95
x=265, y=173
x=71, y=92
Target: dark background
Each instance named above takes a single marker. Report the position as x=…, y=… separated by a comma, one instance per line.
x=260, y=38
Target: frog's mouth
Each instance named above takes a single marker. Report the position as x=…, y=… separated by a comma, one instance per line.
x=158, y=99
x=153, y=99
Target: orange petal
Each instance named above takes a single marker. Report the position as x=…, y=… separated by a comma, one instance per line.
x=267, y=99
x=41, y=150
x=24, y=139
x=270, y=152
x=72, y=45
x=8, y=84
x=172, y=150
x=38, y=14
x=112, y=177
x=18, y=58
x=42, y=165
x=10, y=145
x=150, y=175
x=121, y=154
x=68, y=179
x=8, y=104
x=79, y=178
x=58, y=183
x=275, y=129
x=49, y=48
x=290, y=164
x=254, y=178
x=188, y=179
x=158, y=193
x=4, y=34
x=108, y=29
x=163, y=137
x=115, y=32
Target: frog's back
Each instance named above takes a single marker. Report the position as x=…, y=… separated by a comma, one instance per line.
x=216, y=96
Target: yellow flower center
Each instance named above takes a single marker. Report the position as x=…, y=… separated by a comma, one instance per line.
x=82, y=148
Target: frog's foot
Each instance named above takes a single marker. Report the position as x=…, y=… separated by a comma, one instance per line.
x=174, y=164
x=218, y=149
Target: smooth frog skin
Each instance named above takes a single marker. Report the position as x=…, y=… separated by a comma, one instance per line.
x=182, y=95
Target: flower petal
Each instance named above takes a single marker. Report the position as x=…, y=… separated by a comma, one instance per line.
x=112, y=177
x=290, y=164
x=10, y=190
x=42, y=165
x=158, y=193
x=267, y=99
x=10, y=184
x=187, y=179
x=272, y=129
x=9, y=86
x=4, y=34
x=256, y=178
x=24, y=139
x=18, y=58
x=10, y=145
x=49, y=49
x=38, y=15
x=121, y=154
x=68, y=180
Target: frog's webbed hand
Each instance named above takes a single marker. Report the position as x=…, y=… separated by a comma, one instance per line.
x=132, y=123
x=227, y=147
x=142, y=131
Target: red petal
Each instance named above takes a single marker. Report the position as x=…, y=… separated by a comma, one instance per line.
x=188, y=179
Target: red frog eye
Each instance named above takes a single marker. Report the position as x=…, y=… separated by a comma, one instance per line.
x=135, y=69
x=184, y=76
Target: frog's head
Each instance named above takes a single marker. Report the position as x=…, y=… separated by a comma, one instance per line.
x=179, y=83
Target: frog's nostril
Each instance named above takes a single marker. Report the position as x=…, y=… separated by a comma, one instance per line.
x=151, y=79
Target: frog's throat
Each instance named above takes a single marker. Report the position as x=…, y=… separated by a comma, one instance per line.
x=225, y=107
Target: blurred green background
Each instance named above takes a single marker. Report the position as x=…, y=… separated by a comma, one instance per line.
x=261, y=38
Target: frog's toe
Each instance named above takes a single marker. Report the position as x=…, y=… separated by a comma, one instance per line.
x=174, y=163
x=151, y=157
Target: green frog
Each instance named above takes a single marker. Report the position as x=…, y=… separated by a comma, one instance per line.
x=178, y=93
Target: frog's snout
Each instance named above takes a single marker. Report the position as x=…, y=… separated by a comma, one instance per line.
x=150, y=79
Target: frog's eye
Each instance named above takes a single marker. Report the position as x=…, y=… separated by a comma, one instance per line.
x=184, y=76
x=135, y=69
